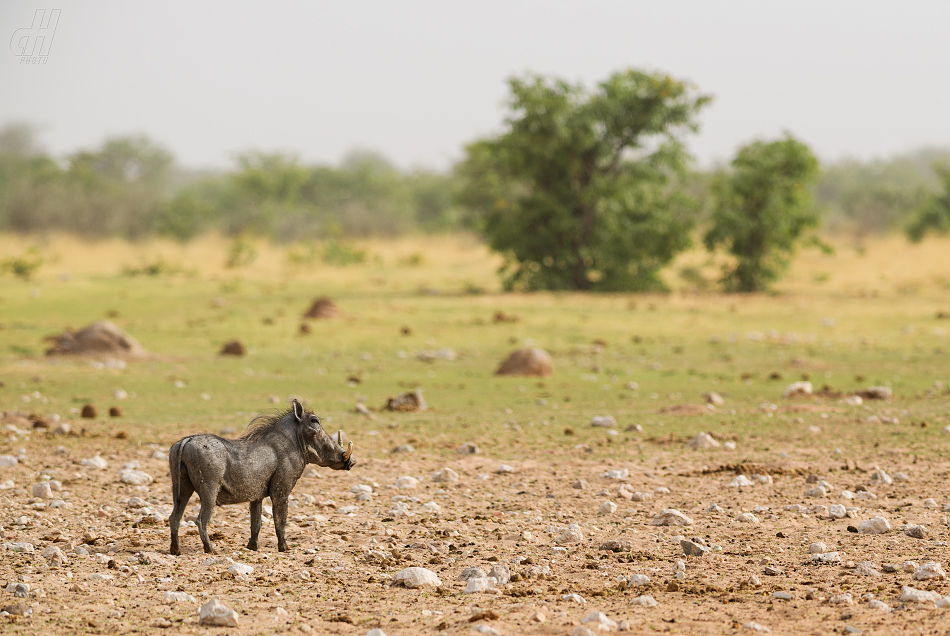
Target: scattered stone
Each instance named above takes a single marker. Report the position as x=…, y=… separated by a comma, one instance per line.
x=913, y=595
x=837, y=511
x=702, y=440
x=865, y=568
x=910, y=566
x=875, y=393
x=445, y=475
x=691, y=548
x=500, y=573
x=783, y=596
x=816, y=492
x=876, y=525
x=826, y=557
x=527, y=362
x=842, y=599
x=538, y=617
x=95, y=462
x=740, y=481
x=671, y=517
x=929, y=570
x=879, y=605
x=754, y=581
x=42, y=490
x=580, y=484
x=607, y=508
x=891, y=567
x=771, y=570
x=404, y=448
x=179, y=597
x=756, y=627
x=573, y=534
x=603, y=421
x=580, y=630
x=881, y=476
x=407, y=402
x=406, y=483
x=798, y=389
x=901, y=477
x=747, y=517
x=417, y=577
x=915, y=531
x=8, y=460
x=636, y=580
x=55, y=556
x=504, y=469
x=604, y=624
x=214, y=612
x=714, y=398
x=135, y=477
x=730, y=445
x=577, y=598
x=644, y=601
x=468, y=448
x=715, y=508
x=485, y=584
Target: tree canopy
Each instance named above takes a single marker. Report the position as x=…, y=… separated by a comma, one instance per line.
x=761, y=208
x=577, y=193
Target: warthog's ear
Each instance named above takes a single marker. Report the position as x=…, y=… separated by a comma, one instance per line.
x=298, y=411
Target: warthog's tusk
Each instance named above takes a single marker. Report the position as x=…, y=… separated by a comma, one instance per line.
x=349, y=451
x=339, y=438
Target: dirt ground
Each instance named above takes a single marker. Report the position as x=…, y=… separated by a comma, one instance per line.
x=338, y=576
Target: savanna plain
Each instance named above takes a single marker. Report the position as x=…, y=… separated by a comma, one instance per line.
x=556, y=487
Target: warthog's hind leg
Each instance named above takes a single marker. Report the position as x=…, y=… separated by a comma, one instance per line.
x=255, y=524
x=208, y=495
x=185, y=490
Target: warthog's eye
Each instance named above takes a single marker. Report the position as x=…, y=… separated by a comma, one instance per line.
x=315, y=420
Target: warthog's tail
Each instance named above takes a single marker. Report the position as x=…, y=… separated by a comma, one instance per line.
x=174, y=465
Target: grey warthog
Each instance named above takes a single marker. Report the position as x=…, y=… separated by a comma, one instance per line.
x=266, y=461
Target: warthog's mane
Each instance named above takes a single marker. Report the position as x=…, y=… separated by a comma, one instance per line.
x=265, y=423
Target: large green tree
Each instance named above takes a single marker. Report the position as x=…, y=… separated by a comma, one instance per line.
x=762, y=209
x=934, y=214
x=578, y=191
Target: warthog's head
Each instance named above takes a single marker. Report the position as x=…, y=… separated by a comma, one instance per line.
x=322, y=449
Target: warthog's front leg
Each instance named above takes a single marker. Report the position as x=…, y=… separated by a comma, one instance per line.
x=255, y=524
x=280, y=521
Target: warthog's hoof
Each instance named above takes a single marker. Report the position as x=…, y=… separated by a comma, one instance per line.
x=252, y=545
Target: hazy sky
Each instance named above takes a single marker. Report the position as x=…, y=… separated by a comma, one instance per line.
x=417, y=80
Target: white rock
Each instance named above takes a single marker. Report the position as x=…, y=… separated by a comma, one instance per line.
x=702, y=440
x=504, y=469
x=796, y=389
x=431, y=507
x=482, y=628
x=18, y=547
x=876, y=525
x=846, y=494
x=764, y=480
x=214, y=612
x=348, y=510
x=671, y=517
x=901, y=477
x=407, y=483
x=913, y=595
x=818, y=547
x=603, y=421
x=617, y=473
x=644, y=601
x=135, y=477
x=636, y=580
x=930, y=503
x=826, y=557
x=910, y=566
x=747, y=517
x=500, y=573
x=879, y=605
x=640, y=496
x=604, y=624
x=179, y=597
x=241, y=569
x=417, y=577
x=444, y=476
x=486, y=584
x=42, y=490
x=880, y=476
x=756, y=627
x=866, y=568
x=842, y=599
x=577, y=598
x=95, y=462
x=473, y=572
x=817, y=491
x=943, y=603
x=837, y=511
x=740, y=481
x=929, y=570
x=607, y=508
x=573, y=534
x=8, y=460
x=55, y=556
x=714, y=398
x=714, y=508
x=730, y=445
x=376, y=632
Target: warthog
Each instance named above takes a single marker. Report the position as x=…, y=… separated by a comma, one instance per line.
x=266, y=461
